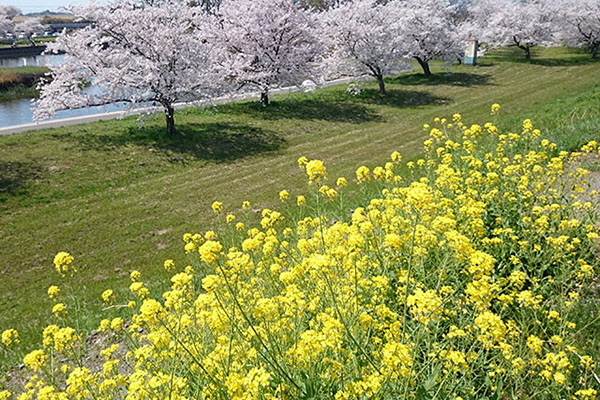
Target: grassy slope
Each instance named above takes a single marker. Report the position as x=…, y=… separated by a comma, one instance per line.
x=119, y=198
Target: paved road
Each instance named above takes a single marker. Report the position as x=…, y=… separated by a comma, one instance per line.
x=125, y=113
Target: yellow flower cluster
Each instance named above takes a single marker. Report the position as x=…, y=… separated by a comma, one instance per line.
x=284, y=195
x=10, y=336
x=315, y=169
x=459, y=283
x=63, y=264
x=53, y=292
x=108, y=296
x=217, y=206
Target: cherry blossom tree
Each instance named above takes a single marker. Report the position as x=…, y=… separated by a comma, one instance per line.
x=524, y=24
x=430, y=30
x=7, y=13
x=320, y=4
x=208, y=6
x=582, y=24
x=132, y=53
x=30, y=27
x=266, y=43
x=364, y=38
x=6, y=25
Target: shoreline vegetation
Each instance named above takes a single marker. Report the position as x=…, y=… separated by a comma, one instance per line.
x=20, y=82
x=141, y=191
x=26, y=43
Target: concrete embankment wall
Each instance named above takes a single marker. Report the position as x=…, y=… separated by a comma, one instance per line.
x=12, y=52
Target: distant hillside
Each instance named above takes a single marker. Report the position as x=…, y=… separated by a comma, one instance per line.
x=48, y=17
x=47, y=13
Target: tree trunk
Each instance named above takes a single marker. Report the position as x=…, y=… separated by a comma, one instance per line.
x=264, y=98
x=381, y=84
x=170, y=118
x=525, y=48
x=424, y=65
x=594, y=50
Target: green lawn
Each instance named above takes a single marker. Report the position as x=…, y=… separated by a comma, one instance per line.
x=119, y=197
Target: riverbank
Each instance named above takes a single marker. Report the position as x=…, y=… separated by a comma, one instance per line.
x=20, y=82
x=21, y=48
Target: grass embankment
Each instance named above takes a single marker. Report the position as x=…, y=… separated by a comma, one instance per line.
x=20, y=82
x=40, y=41
x=120, y=198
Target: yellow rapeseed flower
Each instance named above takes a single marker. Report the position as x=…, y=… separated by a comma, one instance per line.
x=284, y=195
x=169, y=265
x=35, y=360
x=53, y=292
x=209, y=251
x=10, y=336
x=135, y=276
x=217, y=207
x=59, y=310
x=117, y=324
x=63, y=263
x=535, y=344
x=363, y=174
x=107, y=296
x=302, y=161
x=316, y=171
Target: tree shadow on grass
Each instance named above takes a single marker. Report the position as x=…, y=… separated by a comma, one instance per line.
x=562, y=57
x=335, y=105
x=202, y=141
x=556, y=62
x=15, y=176
x=443, y=78
x=310, y=106
x=399, y=98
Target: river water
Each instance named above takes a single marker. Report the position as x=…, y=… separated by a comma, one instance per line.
x=20, y=111
x=32, y=61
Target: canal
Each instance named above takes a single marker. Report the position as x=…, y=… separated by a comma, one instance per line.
x=20, y=111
